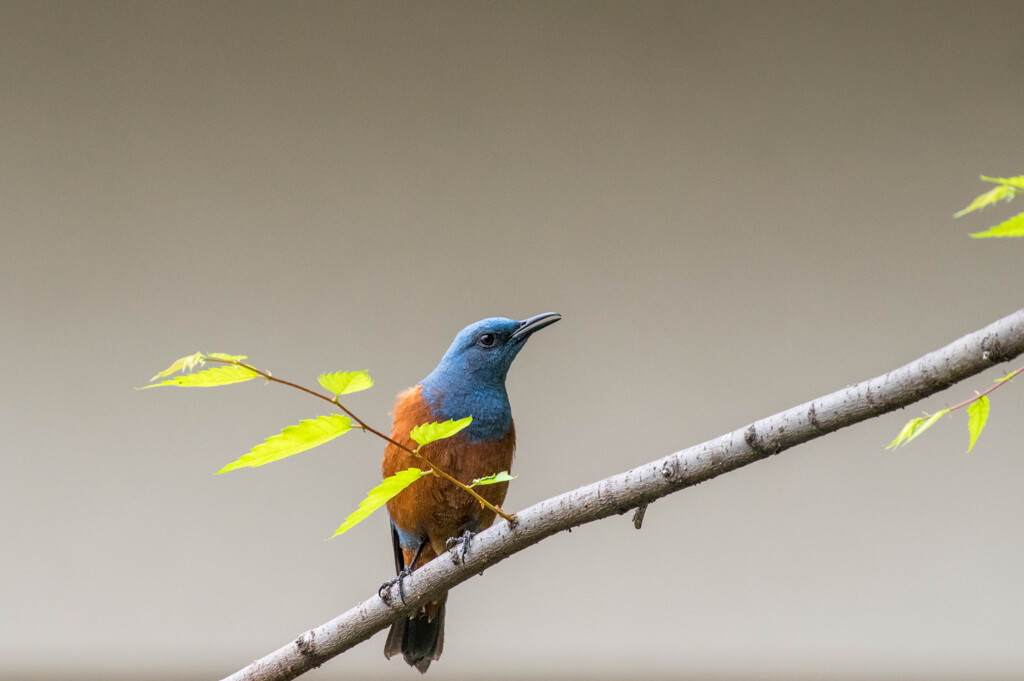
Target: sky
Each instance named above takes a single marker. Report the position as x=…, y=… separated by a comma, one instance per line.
x=735, y=206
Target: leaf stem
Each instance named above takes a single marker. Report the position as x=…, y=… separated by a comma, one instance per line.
x=1006, y=379
x=366, y=427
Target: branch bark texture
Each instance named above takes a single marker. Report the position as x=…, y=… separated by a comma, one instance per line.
x=999, y=342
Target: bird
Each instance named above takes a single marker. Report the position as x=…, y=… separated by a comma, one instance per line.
x=468, y=381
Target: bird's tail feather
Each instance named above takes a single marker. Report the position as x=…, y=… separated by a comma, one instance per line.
x=420, y=638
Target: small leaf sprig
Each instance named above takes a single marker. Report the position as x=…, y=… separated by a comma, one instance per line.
x=978, y=406
x=977, y=416
x=310, y=433
x=1006, y=188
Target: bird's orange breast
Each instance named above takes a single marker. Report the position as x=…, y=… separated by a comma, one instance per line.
x=433, y=507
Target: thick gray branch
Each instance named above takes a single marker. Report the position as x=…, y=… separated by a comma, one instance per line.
x=972, y=354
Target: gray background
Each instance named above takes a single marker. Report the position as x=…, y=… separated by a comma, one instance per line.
x=736, y=207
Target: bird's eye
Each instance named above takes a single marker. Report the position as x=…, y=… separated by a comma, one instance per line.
x=487, y=340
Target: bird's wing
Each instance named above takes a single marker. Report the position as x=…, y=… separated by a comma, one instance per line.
x=399, y=554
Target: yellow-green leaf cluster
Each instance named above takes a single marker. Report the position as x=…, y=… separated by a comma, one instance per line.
x=977, y=416
x=208, y=378
x=429, y=432
x=1006, y=188
x=915, y=427
x=380, y=495
x=307, y=434
x=345, y=382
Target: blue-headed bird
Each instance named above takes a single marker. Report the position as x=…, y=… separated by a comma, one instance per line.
x=469, y=381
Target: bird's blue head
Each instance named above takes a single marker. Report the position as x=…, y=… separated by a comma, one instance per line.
x=470, y=380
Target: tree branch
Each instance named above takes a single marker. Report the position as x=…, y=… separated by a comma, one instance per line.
x=936, y=371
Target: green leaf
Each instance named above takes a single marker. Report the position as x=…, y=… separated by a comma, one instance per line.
x=227, y=358
x=915, y=427
x=977, y=416
x=1012, y=227
x=378, y=496
x=1012, y=181
x=928, y=423
x=1008, y=376
x=209, y=378
x=908, y=430
x=993, y=195
x=183, y=364
x=428, y=432
x=307, y=434
x=503, y=476
x=344, y=382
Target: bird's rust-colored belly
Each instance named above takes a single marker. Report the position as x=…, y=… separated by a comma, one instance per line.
x=432, y=506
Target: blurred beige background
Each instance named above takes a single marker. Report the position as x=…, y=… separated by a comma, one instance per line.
x=736, y=207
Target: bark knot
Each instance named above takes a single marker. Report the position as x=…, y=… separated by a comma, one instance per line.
x=761, y=447
x=994, y=350
x=304, y=644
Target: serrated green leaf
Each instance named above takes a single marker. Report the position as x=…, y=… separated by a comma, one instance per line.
x=977, y=416
x=1008, y=376
x=929, y=422
x=344, y=382
x=183, y=364
x=209, y=378
x=1012, y=227
x=378, y=496
x=226, y=357
x=993, y=195
x=429, y=432
x=503, y=476
x=915, y=427
x=1012, y=181
x=908, y=430
x=307, y=434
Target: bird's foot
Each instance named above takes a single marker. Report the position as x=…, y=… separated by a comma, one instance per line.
x=459, y=546
x=385, y=589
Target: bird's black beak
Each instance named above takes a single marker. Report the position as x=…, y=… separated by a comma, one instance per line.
x=527, y=326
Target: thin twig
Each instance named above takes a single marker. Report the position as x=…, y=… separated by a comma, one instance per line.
x=977, y=397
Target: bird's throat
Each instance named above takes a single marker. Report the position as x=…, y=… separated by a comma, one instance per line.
x=488, y=405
